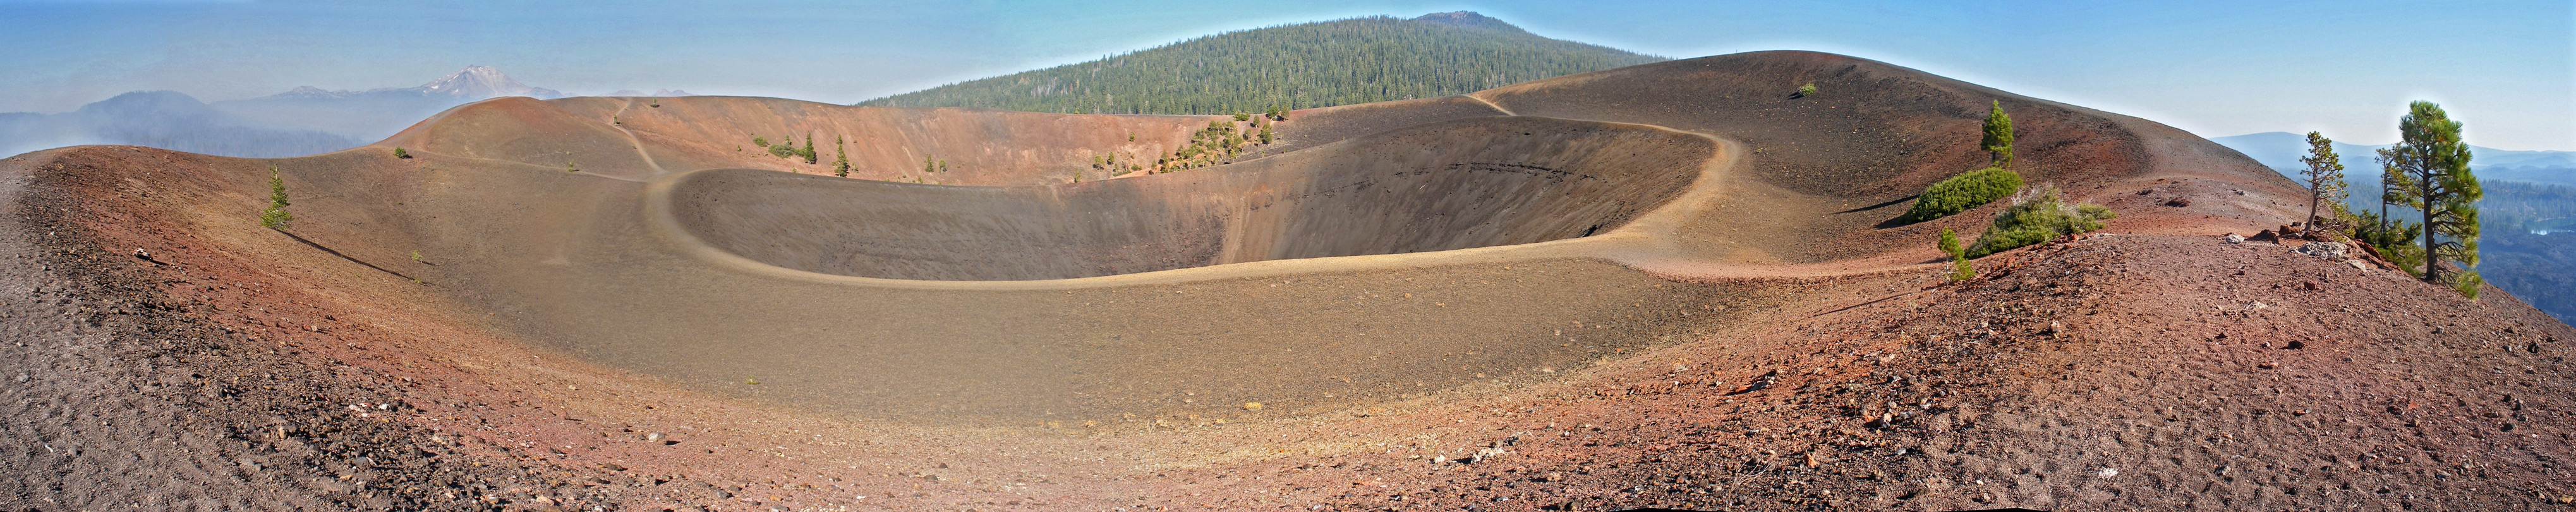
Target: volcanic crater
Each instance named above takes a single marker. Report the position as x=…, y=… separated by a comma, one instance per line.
x=1673, y=284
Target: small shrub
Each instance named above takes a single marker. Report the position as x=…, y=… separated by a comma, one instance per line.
x=569, y=167
x=782, y=151
x=1806, y=90
x=1241, y=117
x=399, y=153
x=2037, y=216
x=1959, y=193
x=1960, y=268
x=757, y=141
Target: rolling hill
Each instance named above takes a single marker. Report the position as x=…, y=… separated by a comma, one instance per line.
x=1358, y=60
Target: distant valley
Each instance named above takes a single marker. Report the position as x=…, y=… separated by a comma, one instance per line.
x=306, y=120
x=2281, y=151
x=2529, y=194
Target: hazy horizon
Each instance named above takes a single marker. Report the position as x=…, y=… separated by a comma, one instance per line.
x=2508, y=69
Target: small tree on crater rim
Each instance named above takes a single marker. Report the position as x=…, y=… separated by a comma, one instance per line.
x=276, y=217
x=841, y=158
x=808, y=150
x=2325, y=178
x=1999, y=136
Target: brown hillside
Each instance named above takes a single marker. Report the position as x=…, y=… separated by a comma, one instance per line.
x=1667, y=285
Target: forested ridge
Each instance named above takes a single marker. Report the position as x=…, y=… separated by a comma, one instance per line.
x=1340, y=62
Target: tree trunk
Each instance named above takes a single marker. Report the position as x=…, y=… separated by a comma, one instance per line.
x=2432, y=260
x=2312, y=202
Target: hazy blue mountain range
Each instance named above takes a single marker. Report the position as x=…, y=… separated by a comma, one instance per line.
x=377, y=113
x=2281, y=151
x=303, y=121
x=1341, y=62
x=162, y=119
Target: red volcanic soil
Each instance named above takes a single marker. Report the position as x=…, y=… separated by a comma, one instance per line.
x=479, y=329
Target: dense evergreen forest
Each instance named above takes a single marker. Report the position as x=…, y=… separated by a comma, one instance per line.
x=1341, y=62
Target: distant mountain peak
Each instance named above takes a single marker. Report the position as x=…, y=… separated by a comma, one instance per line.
x=479, y=81
x=1468, y=19
x=163, y=103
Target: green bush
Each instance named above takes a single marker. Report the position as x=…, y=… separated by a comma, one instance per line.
x=399, y=153
x=2037, y=217
x=757, y=141
x=1806, y=90
x=1959, y=193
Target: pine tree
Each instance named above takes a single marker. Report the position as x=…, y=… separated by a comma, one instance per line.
x=840, y=162
x=2394, y=189
x=2325, y=177
x=276, y=217
x=1999, y=136
x=808, y=152
x=2444, y=190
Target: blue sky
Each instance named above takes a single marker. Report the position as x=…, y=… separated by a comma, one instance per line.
x=2216, y=68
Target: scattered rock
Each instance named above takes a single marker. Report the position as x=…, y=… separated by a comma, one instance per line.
x=2267, y=236
x=655, y=437
x=2357, y=264
x=2327, y=250
x=2178, y=202
x=1758, y=383
x=1252, y=406
x=2233, y=238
